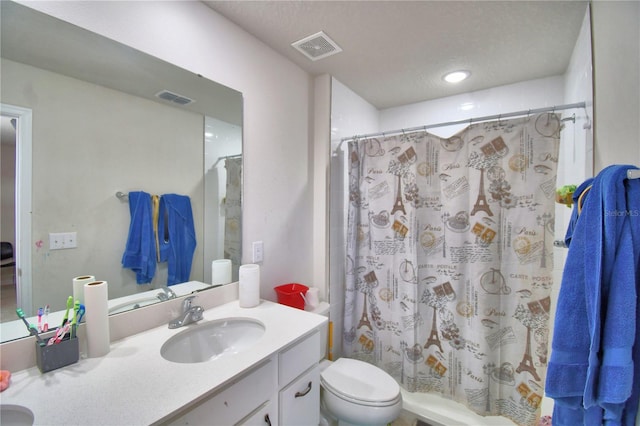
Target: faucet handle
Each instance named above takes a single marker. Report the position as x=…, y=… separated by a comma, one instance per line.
x=186, y=303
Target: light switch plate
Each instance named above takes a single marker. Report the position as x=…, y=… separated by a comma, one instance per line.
x=258, y=251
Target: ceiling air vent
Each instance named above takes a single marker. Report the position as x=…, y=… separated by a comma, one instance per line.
x=317, y=46
x=174, y=97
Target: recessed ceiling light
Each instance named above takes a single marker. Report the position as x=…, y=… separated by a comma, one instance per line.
x=456, y=76
x=466, y=106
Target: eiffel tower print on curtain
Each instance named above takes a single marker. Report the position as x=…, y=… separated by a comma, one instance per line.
x=481, y=202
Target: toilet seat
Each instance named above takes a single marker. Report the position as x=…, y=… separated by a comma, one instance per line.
x=360, y=383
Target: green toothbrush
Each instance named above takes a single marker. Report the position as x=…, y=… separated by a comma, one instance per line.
x=32, y=329
x=74, y=321
x=66, y=314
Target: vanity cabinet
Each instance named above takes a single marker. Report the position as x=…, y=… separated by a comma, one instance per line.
x=235, y=401
x=283, y=390
x=299, y=381
x=274, y=381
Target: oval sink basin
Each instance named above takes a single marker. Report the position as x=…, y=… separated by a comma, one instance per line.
x=211, y=340
x=15, y=415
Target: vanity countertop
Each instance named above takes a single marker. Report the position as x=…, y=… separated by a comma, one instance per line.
x=134, y=385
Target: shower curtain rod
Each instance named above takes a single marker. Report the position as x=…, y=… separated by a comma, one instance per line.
x=467, y=121
x=226, y=157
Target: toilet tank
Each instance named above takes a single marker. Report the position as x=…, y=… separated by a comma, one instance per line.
x=323, y=309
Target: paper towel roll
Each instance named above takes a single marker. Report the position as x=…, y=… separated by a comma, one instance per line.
x=78, y=286
x=221, y=271
x=96, y=303
x=249, y=286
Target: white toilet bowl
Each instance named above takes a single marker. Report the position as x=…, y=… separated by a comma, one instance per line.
x=357, y=393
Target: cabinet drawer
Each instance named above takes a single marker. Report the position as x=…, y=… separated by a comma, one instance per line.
x=266, y=415
x=300, y=401
x=236, y=401
x=298, y=358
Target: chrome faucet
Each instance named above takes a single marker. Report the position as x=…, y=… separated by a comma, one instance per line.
x=166, y=294
x=189, y=314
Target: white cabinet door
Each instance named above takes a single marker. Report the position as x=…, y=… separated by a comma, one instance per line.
x=300, y=401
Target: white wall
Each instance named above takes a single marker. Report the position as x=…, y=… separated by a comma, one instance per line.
x=321, y=116
x=616, y=57
x=350, y=115
x=278, y=204
x=540, y=93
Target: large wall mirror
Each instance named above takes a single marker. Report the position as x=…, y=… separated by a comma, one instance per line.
x=98, y=128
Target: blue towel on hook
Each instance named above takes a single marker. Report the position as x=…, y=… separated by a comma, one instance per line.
x=593, y=358
x=177, y=237
x=630, y=411
x=139, y=254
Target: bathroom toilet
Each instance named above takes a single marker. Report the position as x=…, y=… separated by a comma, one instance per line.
x=354, y=392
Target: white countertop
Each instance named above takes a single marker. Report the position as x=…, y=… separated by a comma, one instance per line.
x=134, y=385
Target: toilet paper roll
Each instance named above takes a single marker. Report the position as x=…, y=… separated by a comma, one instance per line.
x=249, y=286
x=221, y=271
x=96, y=303
x=78, y=286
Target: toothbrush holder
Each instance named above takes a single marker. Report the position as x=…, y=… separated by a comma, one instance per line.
x=51, y=357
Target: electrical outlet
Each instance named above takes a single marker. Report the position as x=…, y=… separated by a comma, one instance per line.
x=70, y=240
x=63, y=240
x=258, y=251
x=55, y=240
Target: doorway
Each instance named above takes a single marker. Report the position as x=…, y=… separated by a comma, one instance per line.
x=15, y=210
x=8, y=296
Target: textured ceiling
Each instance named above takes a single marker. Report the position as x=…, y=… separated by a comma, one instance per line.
x=396, y=52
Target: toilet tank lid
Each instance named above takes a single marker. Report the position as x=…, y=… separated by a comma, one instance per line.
x=360, y=380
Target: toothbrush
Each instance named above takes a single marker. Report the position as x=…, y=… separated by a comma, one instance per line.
x=66, y=314
x=32, y=330
x=40, y=312
x=74, y=321
x=46, y=318
x=81, y=311
x=62, y=331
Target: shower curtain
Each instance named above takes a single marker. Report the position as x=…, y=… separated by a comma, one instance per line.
x=233, y=212
x=449, y=261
